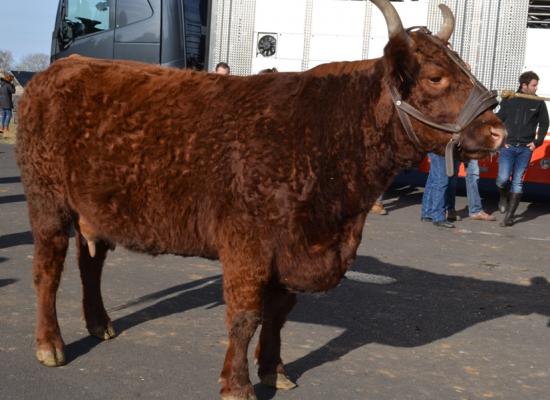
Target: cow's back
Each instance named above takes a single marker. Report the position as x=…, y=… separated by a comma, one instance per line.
x=156, y=157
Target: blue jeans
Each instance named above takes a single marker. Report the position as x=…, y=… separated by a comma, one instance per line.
x=514, y=161
x=6, y=117
x=472, y=189
x=433, y=199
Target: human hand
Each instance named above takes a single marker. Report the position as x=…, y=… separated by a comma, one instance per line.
x=531, y=146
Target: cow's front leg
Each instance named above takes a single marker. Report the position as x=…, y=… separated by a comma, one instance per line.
x=243, y=285
x=278, y=302
x=234, y=378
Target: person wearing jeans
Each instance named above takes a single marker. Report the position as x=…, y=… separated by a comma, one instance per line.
x=475, y=208
x=521, y=116
x=513, y=160
x=6, y=118
x=7, y=89
x=433, y=199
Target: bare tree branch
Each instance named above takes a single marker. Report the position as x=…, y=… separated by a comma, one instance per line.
x=34, y=62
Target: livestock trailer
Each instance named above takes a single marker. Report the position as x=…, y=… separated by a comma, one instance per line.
x=498, y=38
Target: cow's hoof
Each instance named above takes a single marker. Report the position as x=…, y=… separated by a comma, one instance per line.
x=50, y=358
x=278, y=380
x=232, y=397
x=103, y=332
x=245, y=393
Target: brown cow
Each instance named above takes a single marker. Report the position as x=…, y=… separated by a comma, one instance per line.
x=273, y=174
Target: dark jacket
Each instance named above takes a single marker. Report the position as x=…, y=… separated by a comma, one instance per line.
x=521, y=118
x=6, y=91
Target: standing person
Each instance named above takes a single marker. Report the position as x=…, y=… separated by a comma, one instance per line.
x=222, y=68
x=521, y=117
x=433, y=199
x=7, y=89
x=475, y=209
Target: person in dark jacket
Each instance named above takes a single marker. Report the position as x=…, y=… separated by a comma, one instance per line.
x=7, y=89
x=521, y=117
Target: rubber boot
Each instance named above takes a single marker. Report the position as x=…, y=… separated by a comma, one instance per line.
x=513, y=203
x=503, y=201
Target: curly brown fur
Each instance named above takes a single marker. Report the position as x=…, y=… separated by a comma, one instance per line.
x=273, y=174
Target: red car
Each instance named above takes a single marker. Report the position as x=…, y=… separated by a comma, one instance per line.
x=538, y=171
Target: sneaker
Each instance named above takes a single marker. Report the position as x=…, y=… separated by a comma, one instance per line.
x=453, y=216
x=443, y=224
x=482, y=216
x=378, y=208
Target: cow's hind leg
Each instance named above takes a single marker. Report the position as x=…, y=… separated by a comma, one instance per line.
x=98, y=322
x=278, y=302
x=50, y=227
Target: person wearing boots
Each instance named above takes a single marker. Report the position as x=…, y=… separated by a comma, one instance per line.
x=521, y=117
x=7, y=89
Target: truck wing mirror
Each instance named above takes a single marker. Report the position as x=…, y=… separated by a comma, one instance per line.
x=65, y=33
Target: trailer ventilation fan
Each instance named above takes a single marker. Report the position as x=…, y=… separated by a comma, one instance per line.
x=267, y=44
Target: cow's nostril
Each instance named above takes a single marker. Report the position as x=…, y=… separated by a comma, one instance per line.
x=498, y=133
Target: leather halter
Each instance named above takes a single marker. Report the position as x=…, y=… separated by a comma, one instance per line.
x=479, y=100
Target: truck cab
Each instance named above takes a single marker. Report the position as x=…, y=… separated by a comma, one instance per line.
x=167, y=32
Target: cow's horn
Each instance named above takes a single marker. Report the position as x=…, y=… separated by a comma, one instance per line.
x=395, y=27
x=448, y=23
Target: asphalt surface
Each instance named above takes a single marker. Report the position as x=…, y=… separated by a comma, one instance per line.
x=426, y=313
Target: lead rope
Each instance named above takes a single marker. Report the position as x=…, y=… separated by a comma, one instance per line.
x=450, y=150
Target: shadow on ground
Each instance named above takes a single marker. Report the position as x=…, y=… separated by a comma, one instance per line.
x=12, y=198
x=15, y=239
x=6, y=282
x=393, y=305
x=10, y=179
x=205, y=293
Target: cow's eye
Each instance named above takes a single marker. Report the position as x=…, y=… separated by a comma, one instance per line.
x=435, y=79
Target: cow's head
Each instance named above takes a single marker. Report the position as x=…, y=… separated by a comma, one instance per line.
x=435, y=95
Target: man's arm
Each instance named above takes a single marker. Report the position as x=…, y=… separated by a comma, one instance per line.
x=501, y=114
x=543, y=125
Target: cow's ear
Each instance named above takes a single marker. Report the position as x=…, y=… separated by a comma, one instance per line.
x=401, y=64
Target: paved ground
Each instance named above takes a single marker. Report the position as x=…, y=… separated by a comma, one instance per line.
x=426, y=314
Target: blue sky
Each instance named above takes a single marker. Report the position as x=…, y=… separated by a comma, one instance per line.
x=26, y=26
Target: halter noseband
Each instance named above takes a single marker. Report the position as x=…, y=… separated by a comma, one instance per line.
x=480, y=98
